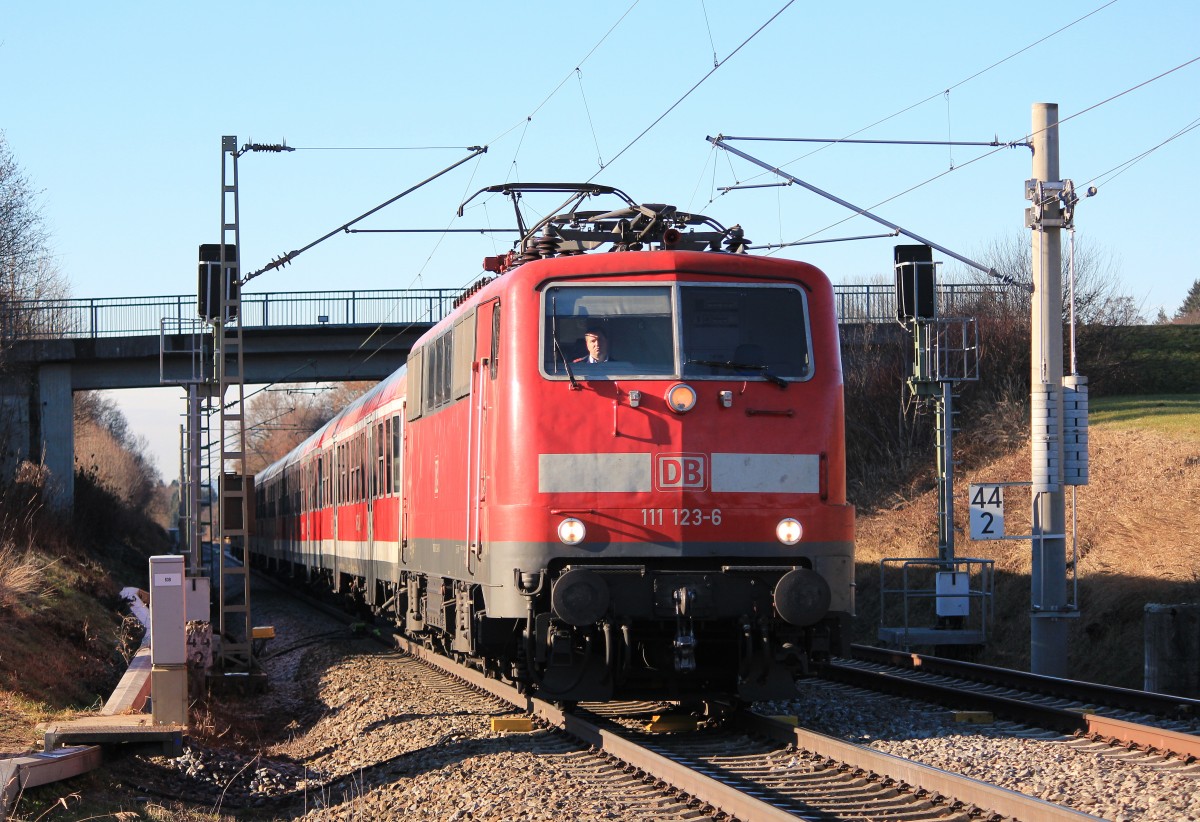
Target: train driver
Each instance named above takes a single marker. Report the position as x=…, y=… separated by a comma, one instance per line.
x=597, y=346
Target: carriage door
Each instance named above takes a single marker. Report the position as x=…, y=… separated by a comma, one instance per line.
x=317, y=546
x=339, y=480
x=483, y=434
x=396, y=467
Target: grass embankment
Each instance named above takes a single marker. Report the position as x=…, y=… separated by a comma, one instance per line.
x=1176, y=415
x=65, y=637
x=1137, y=541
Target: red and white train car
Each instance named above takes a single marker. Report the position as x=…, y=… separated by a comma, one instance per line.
x=668, y=521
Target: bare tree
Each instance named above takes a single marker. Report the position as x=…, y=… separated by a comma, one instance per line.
x=1099, y=295
x=889, y=440
x=27, y=271
x=283, y=417
x=113, y=456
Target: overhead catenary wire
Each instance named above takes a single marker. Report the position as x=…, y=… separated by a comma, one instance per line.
x=950, y=88
x=1118, y=170
x=1028, y=139
x=1121, y=94
x=432, y=231
x=416, y=278
x=708, y=27
x=858, y=211
x=894, y=233
x=289, y=256
x=591, y=125
x=286, y=258
x=380, y=148
x=994, y=143
x=567, y=76
x=529, y=117
x=697, y=85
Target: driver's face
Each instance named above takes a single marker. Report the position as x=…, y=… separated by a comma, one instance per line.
x=597, y=346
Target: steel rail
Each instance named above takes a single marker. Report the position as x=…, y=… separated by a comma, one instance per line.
x=1166, y=705
x=1045, y=716
x=723, y=797
x=734, y=800
x=1143, y=736
x=1071, y=720
x=999, y=800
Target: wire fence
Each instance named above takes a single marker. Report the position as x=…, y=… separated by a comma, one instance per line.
x=142, y=316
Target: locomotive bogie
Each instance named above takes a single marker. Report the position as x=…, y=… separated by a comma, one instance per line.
x=618, y=475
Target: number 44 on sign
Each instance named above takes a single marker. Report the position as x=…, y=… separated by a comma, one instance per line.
x=987, y=511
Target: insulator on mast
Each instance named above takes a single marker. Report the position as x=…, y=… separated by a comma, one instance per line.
x=1075, y=430
x=1045, y=436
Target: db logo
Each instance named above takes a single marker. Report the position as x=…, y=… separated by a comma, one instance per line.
x=681, y=471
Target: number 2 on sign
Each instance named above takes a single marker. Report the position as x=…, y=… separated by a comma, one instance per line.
x=987, y=511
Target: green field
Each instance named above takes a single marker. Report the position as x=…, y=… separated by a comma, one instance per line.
x=1177, y=414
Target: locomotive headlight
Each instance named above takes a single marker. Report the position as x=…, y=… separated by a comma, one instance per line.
x=681, y=398
x=789, y=531
x=571, y=531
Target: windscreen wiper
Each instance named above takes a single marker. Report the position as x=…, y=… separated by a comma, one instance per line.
x=744, y=366
x=566, y=363
x=557, y=345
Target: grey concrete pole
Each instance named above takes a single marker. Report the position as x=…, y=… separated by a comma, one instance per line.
x=56, y=445
x=1048, y=616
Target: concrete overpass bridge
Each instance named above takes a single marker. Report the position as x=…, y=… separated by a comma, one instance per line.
x=51, y=348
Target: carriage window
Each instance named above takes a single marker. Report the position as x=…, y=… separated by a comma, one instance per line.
x=385, y=446
x=744, y=331
x=396, y=462
x=608, y=331
x=379, y=478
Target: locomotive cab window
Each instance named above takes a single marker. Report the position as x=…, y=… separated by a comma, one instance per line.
x=602, y=331
x=744, y=331
x=754, y=331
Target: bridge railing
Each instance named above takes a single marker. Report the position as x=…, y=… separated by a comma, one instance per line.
x=876, y=302
x=137, y=316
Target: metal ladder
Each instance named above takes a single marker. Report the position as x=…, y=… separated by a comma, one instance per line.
x=233, y=517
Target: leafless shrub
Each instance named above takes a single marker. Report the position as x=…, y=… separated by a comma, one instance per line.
x=280, y=419
x=889, y=437
x=114, y=457
x=22, y=576
x=27, y=271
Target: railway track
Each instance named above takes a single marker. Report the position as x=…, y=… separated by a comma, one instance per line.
x=1154, y=723
x=757, y=768
x=752, y=767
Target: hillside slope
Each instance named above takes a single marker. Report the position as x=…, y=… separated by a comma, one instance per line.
x=1138, y=543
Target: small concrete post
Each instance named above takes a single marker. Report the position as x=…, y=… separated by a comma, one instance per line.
x=168, y=653
x=1172, y=647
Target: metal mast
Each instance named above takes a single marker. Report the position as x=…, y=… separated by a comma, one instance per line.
x=233, y=518
x=1048, y=578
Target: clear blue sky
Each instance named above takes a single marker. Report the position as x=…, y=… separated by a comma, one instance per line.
x=116, y=111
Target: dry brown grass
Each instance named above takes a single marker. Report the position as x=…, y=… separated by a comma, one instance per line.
x=21, y=576
x=1138, y=543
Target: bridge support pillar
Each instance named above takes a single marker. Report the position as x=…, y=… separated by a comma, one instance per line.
x=54, y=435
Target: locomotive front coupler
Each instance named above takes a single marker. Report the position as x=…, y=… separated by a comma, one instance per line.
x=685, y=639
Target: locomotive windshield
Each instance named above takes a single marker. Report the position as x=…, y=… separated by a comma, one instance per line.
x=698, y=331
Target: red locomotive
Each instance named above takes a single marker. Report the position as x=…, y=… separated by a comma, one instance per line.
x=603, y=475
